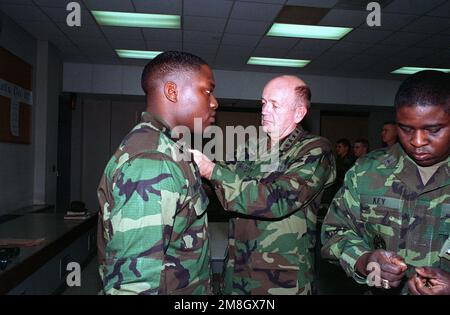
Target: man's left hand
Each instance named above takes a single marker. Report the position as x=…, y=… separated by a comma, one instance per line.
x=204, y=164
x=430, y=281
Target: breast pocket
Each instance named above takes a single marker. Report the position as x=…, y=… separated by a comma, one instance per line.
x=382, y=221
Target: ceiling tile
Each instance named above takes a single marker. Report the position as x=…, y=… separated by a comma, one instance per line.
x=162, y=34
x=110, y=5
x=428, y=25
x=21, y=2
x=240, y=40
x=404, y=39
x=278, y=42
x=436, y=41
x=316, y=45
x=417, y=7
x=255, y=11
x=202, y=23
x=120, y=43
x=200, y=48
x=201, y=37
x=158, y=6
x=163, y=45
x=349, y=47
x=366, y=36
x=313, y=3
x=417, y=52
x=305, y=55
x=392, y=21
x=84, y=31
x=237, y=50
x=270, y=52
x=23, y=12
x=384, y=50
x=247, y=27
x=231, y=57
x=122, y=32
x=442, y=10
x=41, y=30
x=344, y=18
x=53, y=3
x=332, y=59
x=59, y=15
x=216, y=8
x=265, y=1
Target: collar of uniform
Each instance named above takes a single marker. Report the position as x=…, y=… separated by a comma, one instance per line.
x=157, y=123
x=393, y=156
x=408, y=172
x=293, y=137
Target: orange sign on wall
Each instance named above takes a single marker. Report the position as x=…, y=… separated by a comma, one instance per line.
x=16, y=98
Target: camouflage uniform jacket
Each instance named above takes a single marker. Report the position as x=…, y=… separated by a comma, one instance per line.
x=271, y=241
x=152, y=223
x=383, y=202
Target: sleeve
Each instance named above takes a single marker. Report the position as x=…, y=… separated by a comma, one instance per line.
x=148, y=191
x=281, y=193
x=342, y=230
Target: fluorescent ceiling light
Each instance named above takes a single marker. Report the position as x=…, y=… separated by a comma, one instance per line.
x=110, y=18
x=412, y=70
x=137, y=54
x=308, y=31
x=278, y=62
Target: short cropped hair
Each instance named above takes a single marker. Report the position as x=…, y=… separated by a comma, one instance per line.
x=364, y=142
x=344, y=141
x=425, y=88
x=168, y=63
x=303, y=94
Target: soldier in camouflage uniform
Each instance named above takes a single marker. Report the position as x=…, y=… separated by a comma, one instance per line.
x=271, y=241
x=394, y=208
x=153, y=235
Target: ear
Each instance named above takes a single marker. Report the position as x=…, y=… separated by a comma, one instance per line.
x=300, y=113
x=171, y=91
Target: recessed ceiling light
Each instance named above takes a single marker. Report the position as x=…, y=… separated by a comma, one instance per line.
x=137, y=54
x=129, y=19
x=277, y=62
x=308, y=31
x=412, y=70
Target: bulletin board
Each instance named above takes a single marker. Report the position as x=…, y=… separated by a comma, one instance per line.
x=16, y=98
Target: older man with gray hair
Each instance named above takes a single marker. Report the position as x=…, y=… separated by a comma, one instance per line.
x=272, y=236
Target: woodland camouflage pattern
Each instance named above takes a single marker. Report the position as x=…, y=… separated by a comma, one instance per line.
x=152, y=226
x=383, y=196
x=271, y=241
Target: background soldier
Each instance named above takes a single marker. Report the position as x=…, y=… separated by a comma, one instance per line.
x=153, y=227
x=271, y=241
x=394, y=207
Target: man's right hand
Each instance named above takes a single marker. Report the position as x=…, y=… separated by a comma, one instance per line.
x=392, y=267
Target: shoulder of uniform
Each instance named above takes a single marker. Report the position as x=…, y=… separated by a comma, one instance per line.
x=377, y=158
x=318, y=141
x=142, y=138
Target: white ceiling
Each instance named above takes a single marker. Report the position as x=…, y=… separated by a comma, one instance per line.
x=225, y=33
